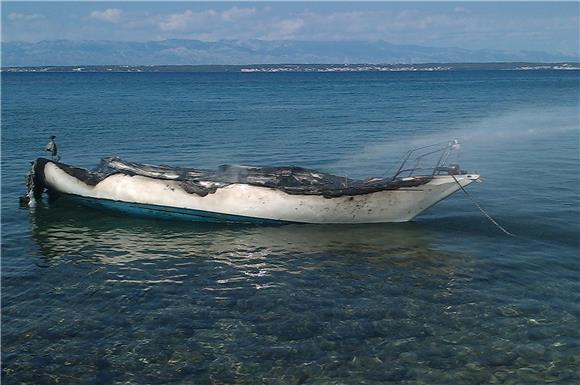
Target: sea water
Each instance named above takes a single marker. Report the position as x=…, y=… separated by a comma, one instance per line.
x=96, y=297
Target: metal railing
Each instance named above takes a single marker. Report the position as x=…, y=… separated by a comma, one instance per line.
x=437, y=153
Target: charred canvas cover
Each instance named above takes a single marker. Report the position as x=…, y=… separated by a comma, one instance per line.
x=292, y=180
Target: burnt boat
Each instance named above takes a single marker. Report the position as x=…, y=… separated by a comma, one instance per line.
x=255, y=194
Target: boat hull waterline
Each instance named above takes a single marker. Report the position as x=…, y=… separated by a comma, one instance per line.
x=245, y=203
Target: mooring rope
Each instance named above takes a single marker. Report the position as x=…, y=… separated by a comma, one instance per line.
x=481, y=208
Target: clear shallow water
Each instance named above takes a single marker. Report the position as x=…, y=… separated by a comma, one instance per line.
x=97, y=298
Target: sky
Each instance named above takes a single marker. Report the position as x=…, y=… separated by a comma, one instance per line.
x=517, y=26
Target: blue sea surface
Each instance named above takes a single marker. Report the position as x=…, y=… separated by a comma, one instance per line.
x=99, y=298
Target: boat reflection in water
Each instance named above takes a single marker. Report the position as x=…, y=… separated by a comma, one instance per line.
x=66, y=232
x=230, y=294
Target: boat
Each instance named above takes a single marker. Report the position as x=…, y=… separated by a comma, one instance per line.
x=248, y=194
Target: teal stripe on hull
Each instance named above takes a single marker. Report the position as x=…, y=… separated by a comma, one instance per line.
x=167, y=212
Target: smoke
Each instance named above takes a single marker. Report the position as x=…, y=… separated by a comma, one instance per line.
x=506, y=129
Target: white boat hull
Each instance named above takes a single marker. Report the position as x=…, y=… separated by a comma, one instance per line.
x=248, y=203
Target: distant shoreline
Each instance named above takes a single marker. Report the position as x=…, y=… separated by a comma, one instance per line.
x=274, y=68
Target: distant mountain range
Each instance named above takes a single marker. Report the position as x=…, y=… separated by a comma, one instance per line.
x=195, y=52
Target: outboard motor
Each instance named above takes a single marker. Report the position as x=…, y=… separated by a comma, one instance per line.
x=34, y=183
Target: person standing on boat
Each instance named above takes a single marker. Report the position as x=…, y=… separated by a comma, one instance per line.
x=51, y=147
